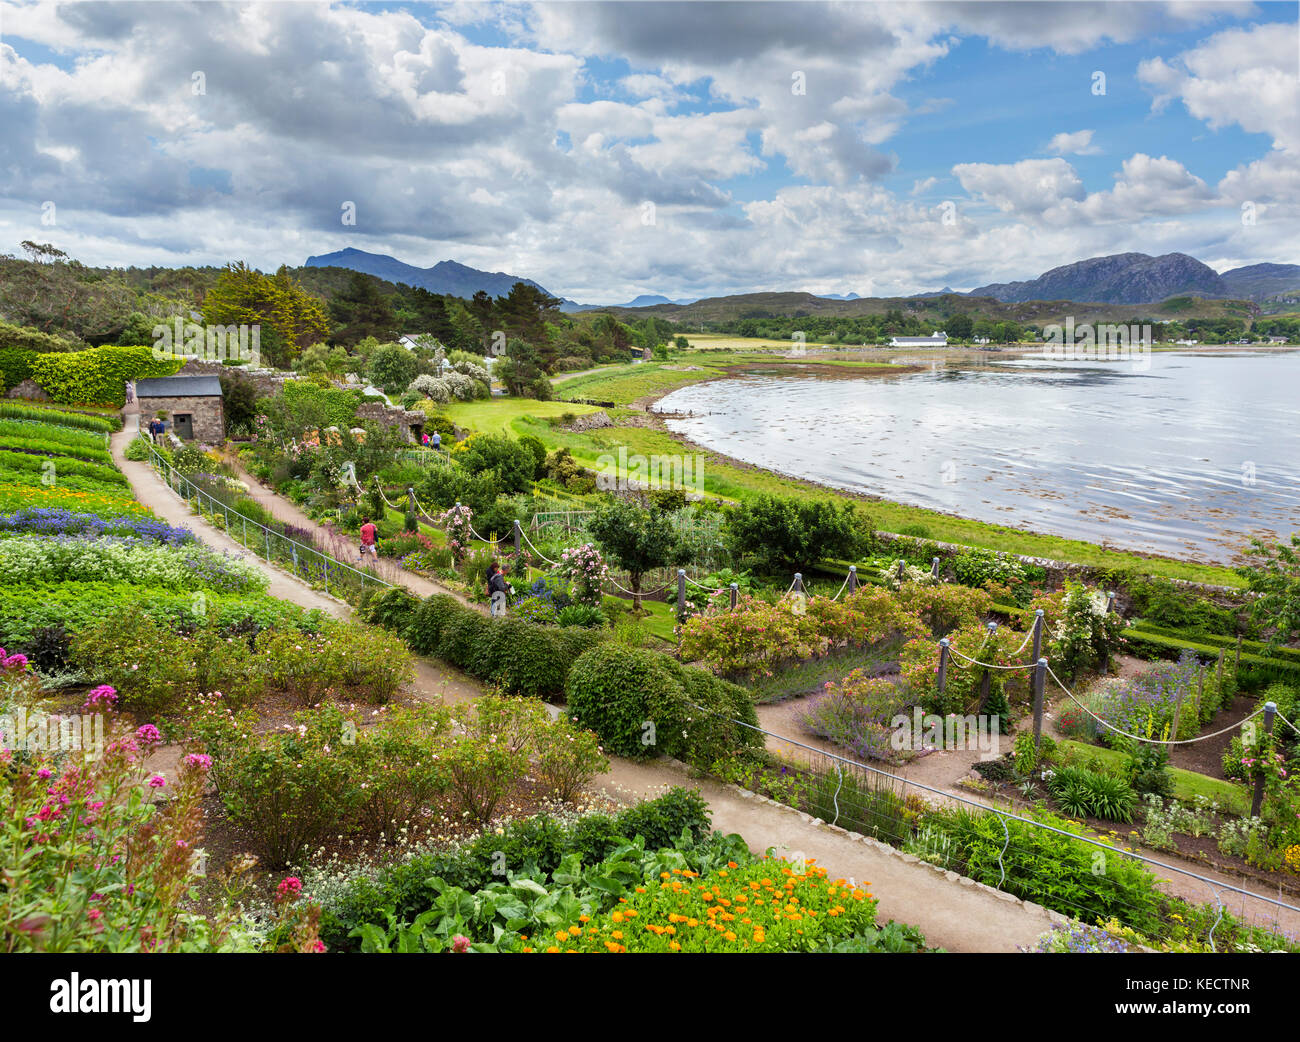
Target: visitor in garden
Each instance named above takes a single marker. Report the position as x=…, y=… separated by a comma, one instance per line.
x=369, y=538
x=424, y=440
x=130, y=393
x=437, y=441
x=498, y=589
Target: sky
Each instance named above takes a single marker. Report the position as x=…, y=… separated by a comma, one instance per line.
x=687, y=149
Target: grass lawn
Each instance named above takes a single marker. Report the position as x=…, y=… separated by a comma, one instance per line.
x=497, y=415
x=1187, y=784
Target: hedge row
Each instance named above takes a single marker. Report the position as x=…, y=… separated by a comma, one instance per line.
x=522, y=658
x=645, y=703
x=1258, y=668
x=1254, y=647
x=96, y=376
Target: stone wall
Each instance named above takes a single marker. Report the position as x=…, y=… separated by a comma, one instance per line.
x=269, y=382
x=209, y=420
x=408, y=421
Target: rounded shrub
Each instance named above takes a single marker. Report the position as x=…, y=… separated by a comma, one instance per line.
x=625, y=695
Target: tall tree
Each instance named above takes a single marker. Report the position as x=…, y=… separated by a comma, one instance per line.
x=635, y=539
x=291, y=319
x=360, y=310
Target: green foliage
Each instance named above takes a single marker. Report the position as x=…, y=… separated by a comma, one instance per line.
x=510, y=463
x=1081, y=791
x=785, y=534
x=302, y=405
x=13, y=410
x=1057, y=871
x=97, y=376
x=635, y=539
x=291, y=318
x=392, y=368
x=535, y=845
x=644, y=704
x=521, y=657
x=1274, y=578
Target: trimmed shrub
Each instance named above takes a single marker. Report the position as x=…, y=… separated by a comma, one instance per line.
x=98, y=375
x=644, y=703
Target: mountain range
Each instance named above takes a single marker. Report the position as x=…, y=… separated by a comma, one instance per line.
x=446, y=277
x=1121, y=278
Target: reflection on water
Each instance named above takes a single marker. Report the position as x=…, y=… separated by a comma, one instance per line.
x=1187, y=457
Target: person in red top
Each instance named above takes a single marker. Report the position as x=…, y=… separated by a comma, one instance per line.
x=369, y=537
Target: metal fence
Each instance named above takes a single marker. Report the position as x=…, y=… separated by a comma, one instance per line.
x=317, y=563
x=1080, y=876
x=425, y=457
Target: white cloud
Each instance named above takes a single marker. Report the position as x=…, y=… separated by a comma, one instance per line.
x=1028, y=187
x=1246, y=77
x=1078, y=143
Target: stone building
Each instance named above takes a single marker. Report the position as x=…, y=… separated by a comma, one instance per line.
x=192, y=404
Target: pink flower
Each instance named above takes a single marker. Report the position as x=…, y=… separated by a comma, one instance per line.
x=148, y=735
x=157, y=782
x=289, y=888
x=44, y=773
x=198, y=761
x=460, y=943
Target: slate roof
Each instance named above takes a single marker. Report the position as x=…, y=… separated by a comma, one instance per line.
x=179, y=387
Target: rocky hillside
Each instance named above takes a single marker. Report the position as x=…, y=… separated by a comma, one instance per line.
x=1122, y=278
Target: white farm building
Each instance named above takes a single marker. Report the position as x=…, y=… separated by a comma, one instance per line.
x=935, y=339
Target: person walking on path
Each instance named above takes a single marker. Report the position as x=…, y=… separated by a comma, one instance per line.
x=498, y=590
x=369, y=540
x=437, y=442
x=130, y=393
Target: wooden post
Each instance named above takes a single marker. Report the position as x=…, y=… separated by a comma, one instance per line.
x=266, y=535
x=853, y=578
x=899, y=573
x=1236, y=663
x=1257, y=801
x=1218, y=680
x=735, y=595
x=1038, y=634
x=1040, y=682
x=934, y=568
x=518, y=537
x=681, y=592
x=798, y=582
x=1110, y=601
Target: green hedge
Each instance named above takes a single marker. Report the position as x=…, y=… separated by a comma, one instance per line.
x=645, y=703
x=97, y=376
x=520, y=657
x=1254, y=647
x=1156, y=645
x=338, y=406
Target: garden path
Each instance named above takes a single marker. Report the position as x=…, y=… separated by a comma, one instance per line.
x=283, y=509
x=954, y=914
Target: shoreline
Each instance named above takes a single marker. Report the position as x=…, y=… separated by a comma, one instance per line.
x=886, y=367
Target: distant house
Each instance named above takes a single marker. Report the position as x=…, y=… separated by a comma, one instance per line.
x=1277, y=340
x=192, y=404
x=1187, y=343
x=981, y=340
x=935, y=339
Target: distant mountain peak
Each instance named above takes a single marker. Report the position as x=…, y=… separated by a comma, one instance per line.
x=1120, y=278
x=446, y=277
